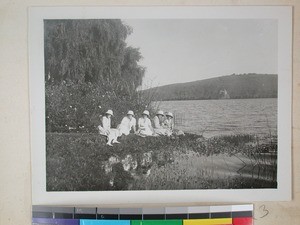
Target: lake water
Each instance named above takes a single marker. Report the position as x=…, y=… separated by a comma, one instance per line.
x=224, y=117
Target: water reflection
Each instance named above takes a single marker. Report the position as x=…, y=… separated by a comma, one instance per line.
x=156, y=170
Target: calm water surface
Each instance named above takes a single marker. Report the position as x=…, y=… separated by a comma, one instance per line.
x=224, y=117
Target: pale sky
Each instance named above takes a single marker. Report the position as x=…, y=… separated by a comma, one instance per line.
x=177, y=51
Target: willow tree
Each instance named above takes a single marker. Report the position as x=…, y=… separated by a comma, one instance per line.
x=88, y=69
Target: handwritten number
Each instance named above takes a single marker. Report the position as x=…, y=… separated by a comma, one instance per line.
x=264, y=210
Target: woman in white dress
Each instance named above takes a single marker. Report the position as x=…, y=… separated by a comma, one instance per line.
x=144, y=125
x=106, y=130
x=127, y=124
x=168, y=124
x=104, y=127
x=158, y=123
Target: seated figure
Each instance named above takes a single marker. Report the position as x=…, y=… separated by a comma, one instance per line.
x=144, y=125
x=158, y=124
x=106, y=130
x=169, y=125
x=127, y=124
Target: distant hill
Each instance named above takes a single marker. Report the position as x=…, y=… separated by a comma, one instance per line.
x=224, y=87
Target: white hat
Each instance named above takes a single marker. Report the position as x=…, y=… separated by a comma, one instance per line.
x=170, y=114
x=130, y=112
x=146, y=112
x=160, y=112
x=110, y=112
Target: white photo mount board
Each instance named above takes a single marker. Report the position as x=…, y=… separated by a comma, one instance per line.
x=283, y=14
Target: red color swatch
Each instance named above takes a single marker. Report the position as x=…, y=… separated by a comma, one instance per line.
x=243, y=221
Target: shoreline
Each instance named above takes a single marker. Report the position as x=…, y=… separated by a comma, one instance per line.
x=210, y=99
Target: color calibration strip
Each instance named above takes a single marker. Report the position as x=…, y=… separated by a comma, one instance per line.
x=195, y=215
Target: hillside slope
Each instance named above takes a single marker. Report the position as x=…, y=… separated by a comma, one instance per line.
x=231, y=86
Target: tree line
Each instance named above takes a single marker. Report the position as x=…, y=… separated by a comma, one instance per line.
x=237, y=86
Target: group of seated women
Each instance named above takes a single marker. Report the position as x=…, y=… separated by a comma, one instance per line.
x=163, y=124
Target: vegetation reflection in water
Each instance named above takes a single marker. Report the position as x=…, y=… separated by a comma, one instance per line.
x=161, y=163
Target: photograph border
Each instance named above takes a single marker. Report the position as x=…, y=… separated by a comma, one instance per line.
x=37, y=104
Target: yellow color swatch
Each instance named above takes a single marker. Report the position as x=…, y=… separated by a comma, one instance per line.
x=221, y=221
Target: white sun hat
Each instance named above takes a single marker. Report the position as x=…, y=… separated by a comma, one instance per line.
x=130, y=112
x=110, y=112
x=160, y=112
x=170, y=114
x=146, y=112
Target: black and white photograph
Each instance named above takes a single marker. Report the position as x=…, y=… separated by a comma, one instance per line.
x=158, y=104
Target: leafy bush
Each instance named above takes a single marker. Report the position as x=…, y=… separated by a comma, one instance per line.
x=72, y=107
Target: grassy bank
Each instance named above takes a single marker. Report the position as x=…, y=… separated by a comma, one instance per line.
x=82, y=162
